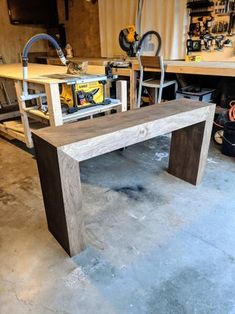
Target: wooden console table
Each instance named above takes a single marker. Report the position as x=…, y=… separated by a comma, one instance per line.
x=59, y=150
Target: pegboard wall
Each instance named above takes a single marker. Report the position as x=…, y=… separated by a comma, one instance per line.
x=211, y=32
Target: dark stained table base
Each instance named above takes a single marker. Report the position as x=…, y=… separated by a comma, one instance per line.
x=59, y=151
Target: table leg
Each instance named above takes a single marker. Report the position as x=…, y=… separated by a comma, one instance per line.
x=133, y=89
x=61, y=188
x=54, y=105
x=189, y=150
x=121, y=88
x=24, y=116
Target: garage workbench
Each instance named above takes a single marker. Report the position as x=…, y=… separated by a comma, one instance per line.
x=60, y=150
x=216, y=68
x=39, y=81
x=226, y=69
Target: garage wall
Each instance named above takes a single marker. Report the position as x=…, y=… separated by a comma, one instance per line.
x=168, y=17
x=82, y=30
x=123, y=13
x=82, y=27
x=13, y=38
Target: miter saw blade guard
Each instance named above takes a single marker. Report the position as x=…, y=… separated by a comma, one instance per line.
x=127, y=40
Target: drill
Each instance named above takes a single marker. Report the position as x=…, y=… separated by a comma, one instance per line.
x=207, y=41
x=218, y=42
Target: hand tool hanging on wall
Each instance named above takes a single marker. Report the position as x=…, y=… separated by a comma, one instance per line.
x=218, y=41
x=207, y=39
x=231, y=23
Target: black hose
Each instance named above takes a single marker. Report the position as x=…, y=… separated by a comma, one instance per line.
x=147, y=34
x=39, y=37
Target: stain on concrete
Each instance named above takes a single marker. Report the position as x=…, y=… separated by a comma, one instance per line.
x=139, y=193
x=134, y=192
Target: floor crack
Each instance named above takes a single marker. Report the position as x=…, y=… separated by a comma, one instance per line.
x=229, y=256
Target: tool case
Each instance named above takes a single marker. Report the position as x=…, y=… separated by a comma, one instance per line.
x=195, y=93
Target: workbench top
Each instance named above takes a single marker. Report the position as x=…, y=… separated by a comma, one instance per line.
x=37, y=72
x=219, y=68
x=208, y=64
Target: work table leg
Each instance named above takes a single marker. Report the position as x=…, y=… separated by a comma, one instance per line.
x=189, y=150
x=24, y=116
x=61, y=189
x=54, y=105
x=121, y=88
x=133, y=89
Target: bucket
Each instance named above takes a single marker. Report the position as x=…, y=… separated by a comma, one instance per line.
x=228, y=146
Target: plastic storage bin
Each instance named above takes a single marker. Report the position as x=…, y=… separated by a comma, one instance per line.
x=195, y=93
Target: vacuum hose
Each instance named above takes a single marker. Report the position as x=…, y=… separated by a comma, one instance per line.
x=25, y=55
x=145, y=35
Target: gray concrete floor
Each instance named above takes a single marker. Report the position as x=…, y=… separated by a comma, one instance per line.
x=155, y=244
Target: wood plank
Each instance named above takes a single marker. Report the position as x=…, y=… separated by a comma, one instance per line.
x=37, y=73
x=91, y=61
x=189, y=150
x=14, y=134
x=185, y=152
x=151, y=61
x=197, y=68
x=8, y=115
x=122, y=71
x=95, y=146
x=7, y=136
x=133, y=90
x=121, y=94
x=24, y=117
x=84, y=130
x=54, y=105
x=49, y=172
x=15, y=125
x=72, y=198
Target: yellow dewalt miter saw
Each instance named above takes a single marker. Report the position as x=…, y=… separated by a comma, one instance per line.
x=128, y=39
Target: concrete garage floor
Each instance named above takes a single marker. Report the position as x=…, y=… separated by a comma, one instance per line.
x=156, y=244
